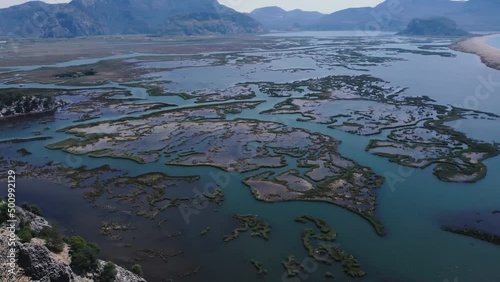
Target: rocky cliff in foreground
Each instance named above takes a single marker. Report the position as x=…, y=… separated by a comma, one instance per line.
x=35, y=262
x=106, y=17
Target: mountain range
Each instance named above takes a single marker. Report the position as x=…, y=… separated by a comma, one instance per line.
x=390, y=15
x=201, y=17
x=100, y=17
x=275, y=18
x=472, y=15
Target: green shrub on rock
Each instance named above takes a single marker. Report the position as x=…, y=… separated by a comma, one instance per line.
x=84, y=255
x=4, y=216
x=36, y=210
x=137, y=270
x=25, y=234
x=53, y=239
x=108, y=273
x=32, y=208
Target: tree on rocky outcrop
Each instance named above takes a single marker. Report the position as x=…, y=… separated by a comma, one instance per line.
x=32, y=208
x=137, y=269
x=108, y=273
x=53, y=239
x=25, y=234
x=84, y=255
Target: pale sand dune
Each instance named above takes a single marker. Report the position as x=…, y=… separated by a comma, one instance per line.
x=490, y=55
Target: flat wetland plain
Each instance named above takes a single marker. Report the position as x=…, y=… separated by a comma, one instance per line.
x=263, y=158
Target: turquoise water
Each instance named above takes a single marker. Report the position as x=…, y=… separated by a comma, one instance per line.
x=494, y=41
x=414, y=249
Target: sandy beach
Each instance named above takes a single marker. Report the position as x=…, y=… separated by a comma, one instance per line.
x=490, y=55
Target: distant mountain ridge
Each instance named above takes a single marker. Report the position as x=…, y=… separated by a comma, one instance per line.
x=436, y=26
x=473, y=15
x=275, y=18
x=395, y=15
x=101, y=17
x=199, y=17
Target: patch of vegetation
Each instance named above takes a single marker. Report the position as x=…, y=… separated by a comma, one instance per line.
x=483, y=236
x=32, y=208
x=328, y=233
x=259, y=227
x=153, y=89
x=23, y=152
x=84, y=255
x=25, y=234
x=4, y=212
x=22, y=140
x=323, y=251
x=76, y=74
x=24, y=101
x=54, y=241
x=108, y=273
x=10, y=95
x=205, y=231
x=260, y=268
x=217, y=196
x=137, y=270
x=292, y=266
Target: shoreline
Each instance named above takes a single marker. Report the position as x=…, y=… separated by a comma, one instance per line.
x=490, y=56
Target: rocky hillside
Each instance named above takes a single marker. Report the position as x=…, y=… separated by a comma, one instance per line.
x=39, y=257
x=433, y=27
x=101, y=17
x=209, y=23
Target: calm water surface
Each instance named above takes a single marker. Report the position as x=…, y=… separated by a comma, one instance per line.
x=494, y=41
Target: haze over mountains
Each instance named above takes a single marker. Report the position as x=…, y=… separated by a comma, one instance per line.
x=473, y=15
x=391, y=15
x=275, y=18
x=197, y=17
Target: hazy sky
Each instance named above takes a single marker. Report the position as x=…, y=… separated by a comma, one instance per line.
x=326, y=6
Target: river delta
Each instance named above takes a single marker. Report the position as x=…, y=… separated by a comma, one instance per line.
x=206, y=164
